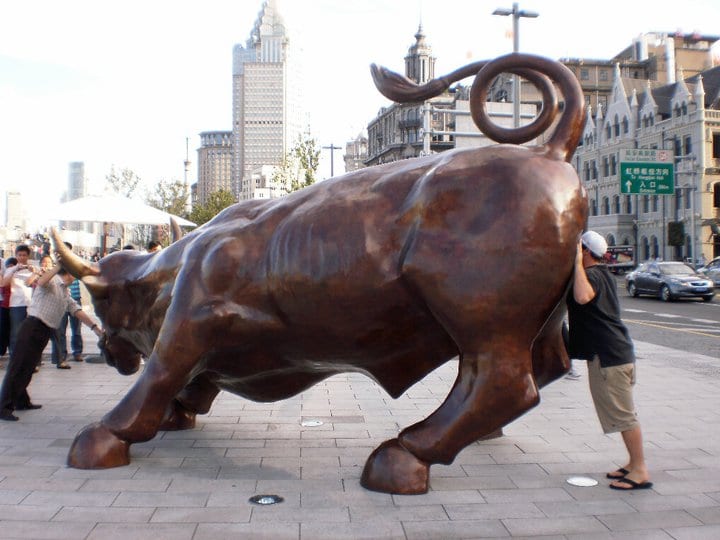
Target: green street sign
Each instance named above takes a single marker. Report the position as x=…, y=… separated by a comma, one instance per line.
x=647, y=172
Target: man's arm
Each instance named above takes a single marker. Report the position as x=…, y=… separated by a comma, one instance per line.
x=47, y=275
x=85, y=318
x=583, y=291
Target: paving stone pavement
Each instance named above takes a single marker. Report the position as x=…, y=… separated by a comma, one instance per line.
x=196, y=484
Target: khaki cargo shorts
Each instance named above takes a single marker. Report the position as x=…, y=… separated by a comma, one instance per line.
x=612, y=393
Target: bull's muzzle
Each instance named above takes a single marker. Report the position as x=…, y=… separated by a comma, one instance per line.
x=120, y=354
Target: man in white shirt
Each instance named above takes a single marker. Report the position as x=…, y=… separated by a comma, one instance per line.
x=20, y=293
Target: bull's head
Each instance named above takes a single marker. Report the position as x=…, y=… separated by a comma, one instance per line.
x=130, y=293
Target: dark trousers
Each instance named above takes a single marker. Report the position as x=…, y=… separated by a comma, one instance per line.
x=32, y=339
x=17, y=316
x=4, y=330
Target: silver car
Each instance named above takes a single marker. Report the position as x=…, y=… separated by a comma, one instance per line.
x=712, y=271
x=669, y=281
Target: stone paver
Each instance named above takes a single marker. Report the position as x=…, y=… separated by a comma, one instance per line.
x=196, y=484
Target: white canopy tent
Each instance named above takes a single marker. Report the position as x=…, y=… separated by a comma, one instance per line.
x=111, y=208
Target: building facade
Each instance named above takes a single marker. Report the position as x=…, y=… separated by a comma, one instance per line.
x=681, y=118
x=653, y=56
x=267, y=100
x=406, y=130
x=214, y=164
x=356, y=152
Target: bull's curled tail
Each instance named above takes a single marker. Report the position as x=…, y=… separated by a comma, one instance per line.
x=542, y=72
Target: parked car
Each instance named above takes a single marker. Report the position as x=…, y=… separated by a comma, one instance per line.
x=712, y=271
x=668, y=281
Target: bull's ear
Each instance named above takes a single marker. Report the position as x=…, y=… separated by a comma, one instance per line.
x=96, y=285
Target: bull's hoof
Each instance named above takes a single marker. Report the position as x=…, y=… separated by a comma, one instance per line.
x=96, y=447
x=177, y=418
x=392, y=469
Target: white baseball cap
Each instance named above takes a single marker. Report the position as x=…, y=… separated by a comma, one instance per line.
x=595, y=243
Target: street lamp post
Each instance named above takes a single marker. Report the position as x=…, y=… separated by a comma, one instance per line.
x=332, y=149
x=516, y=13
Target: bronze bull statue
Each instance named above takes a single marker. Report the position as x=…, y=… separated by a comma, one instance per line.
x=390, y=271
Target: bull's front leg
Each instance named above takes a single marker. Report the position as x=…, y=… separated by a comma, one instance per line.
x=493, y=387
x=139, y=415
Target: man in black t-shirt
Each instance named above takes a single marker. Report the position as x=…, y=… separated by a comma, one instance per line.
x=598, y=335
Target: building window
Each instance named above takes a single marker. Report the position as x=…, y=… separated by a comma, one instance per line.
x=716, y=145
x=613, y=165
x=628, y=205
x=605, y=206
x=625, y=124
x=646, y=205
x=593, y=207
x=584, y=74
x=606, y=167
x=645, y=248
x=616, y=204
x=716, y=195
x=687, y=145
x=655, y=203
x=610, y=240
x=593, y=170
x=683, y=109
x=609, y=131
x=603, y=75
x=616, y=125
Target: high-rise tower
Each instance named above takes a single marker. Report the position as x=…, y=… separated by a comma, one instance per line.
x=267, y=118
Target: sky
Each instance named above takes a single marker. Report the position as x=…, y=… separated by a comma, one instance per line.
x=125, y=84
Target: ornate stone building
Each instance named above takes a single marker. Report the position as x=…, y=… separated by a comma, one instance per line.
x=682, y=118
x=356, y=152
x=397, y=131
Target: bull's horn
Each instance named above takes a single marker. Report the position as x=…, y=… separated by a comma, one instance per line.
x=78, y=267
x=175, y=231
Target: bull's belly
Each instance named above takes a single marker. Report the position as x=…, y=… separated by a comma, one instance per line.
x=274, y=371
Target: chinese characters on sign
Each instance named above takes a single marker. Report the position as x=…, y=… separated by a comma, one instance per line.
x=647, y=172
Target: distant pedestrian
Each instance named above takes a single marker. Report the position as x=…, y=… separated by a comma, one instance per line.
x=598, y=335
x=50, y=302
x=154, y=246
x=5, y=309
x=76, y=341
x=20, y=292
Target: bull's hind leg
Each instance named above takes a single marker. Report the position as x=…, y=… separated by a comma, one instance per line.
x=494, y=386
x=196, y=398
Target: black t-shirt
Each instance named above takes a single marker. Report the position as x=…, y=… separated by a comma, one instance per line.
x=596, y=327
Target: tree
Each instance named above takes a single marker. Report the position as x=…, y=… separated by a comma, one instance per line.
x=169, y=196
x=124, y=182
x=299, y=166
x=217, y=201
x=308, y=155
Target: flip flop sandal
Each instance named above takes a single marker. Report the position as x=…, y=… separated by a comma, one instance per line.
x=633, y=485
x=617, y=475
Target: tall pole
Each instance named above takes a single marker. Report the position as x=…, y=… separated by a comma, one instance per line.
x=188, y=198
x=516, y=13
x=332, y=149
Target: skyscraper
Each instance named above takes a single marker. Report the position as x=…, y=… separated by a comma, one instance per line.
x=267, y=117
